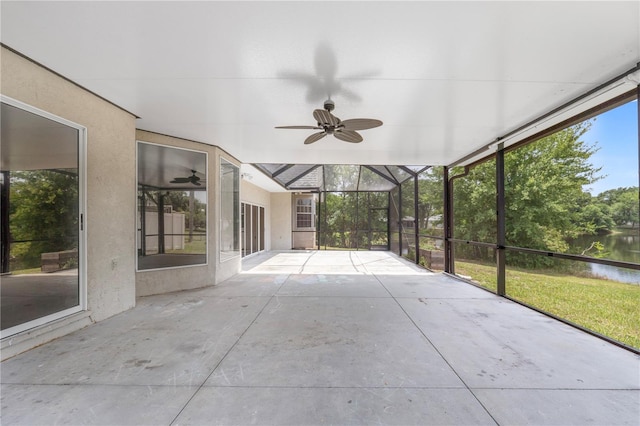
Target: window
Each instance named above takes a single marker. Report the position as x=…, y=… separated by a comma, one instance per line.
x=172, y=207
x=229, y=210
x=304, y=213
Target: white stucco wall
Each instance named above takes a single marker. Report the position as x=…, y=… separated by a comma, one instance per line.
x=110, y=197
x=281, y=221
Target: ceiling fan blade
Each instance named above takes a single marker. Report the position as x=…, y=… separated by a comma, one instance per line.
x=315, y=138
x=325, y=117
x=196, y=183
x=348, y=136
x=180, y=180
x=361, y=124
x=299, y=127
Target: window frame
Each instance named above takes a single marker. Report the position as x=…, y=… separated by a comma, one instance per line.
x=208, y=208
x=236, y=203
x=307, y=216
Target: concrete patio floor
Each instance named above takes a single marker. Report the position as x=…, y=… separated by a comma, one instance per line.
x=306, y=338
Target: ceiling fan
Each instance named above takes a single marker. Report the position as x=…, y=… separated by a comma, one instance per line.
x=332, y=125
x=189, y=179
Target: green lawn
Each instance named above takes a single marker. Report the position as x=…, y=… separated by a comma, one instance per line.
x=607, y=307
x=27, y=271
x=197, y=246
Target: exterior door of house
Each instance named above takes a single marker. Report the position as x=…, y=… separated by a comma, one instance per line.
x=42, y=183
x=252, y=229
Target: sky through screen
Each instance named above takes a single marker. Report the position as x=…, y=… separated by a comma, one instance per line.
x=616, y=134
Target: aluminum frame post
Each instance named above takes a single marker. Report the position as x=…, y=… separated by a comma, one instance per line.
x=501, y=223
x=447, y=219
x=4, y=215
x=415, y=219
x=161, y=230
x=400, y=220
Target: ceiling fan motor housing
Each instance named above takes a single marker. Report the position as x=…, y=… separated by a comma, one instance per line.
x=329, y=105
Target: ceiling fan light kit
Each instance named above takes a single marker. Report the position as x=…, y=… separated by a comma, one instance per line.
x=329, y=124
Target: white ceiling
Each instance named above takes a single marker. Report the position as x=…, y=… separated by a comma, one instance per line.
x=445, y=77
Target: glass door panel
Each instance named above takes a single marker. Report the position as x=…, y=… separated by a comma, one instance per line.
x=254, y=229
x=40, y=211
x=261, y=231
x=245, y=229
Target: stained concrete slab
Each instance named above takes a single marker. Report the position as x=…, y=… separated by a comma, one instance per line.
x=509, y=346
x=332, y=269
x=384, y=344
x=568, y=407
x=331, y=259
x=31, y=405
x=387, y=263
x=291, y=259
x=262, y=261
x=334, y=406
x=330, y=285
x=337, y=342
x=330, y=262
x=277, y=269
x=167, y=340
x=431, y=285
x=248, y=284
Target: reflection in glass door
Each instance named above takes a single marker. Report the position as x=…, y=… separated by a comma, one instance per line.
x=41, y=193
x=252, y=229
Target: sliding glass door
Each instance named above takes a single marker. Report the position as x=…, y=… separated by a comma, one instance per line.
x=252, y=229
x=42, y=218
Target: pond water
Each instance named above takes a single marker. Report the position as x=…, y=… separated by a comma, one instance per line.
x=623, y=245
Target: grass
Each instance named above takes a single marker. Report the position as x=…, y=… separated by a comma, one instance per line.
x=197, y=246
x=607, y=307
x=36, y=270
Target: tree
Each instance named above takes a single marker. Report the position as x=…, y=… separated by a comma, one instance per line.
x=545, y=201
x=474, y=208
x=43, y=213
x=345, y=218
x=595, y=218
x=612, y=196
x=623, y=204
x=625, y=209
x=430, y=201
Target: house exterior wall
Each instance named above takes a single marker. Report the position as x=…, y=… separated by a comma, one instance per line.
x=252, y=194
x=110, y=177
x=166, y=280
x=110, y=215
x=281, y=221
